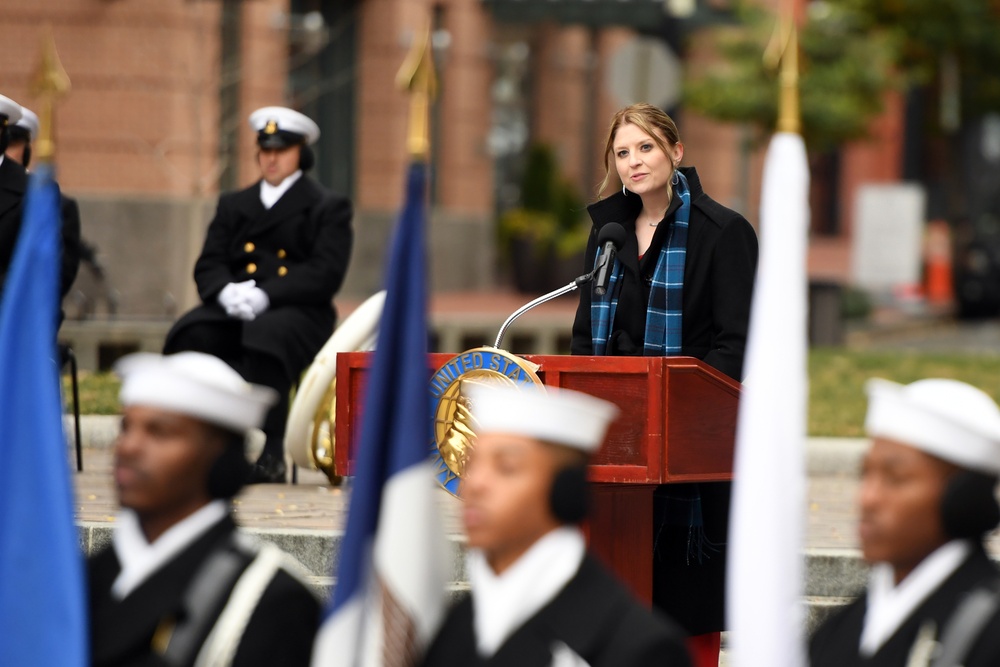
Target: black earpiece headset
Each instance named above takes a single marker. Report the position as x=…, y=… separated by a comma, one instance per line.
x=569, y=497
x=969, y=506
x=231, y=471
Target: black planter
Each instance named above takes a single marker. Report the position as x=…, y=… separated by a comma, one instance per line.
x=531, y=267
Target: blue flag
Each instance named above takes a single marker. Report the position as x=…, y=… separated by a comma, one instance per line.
x=389, y=596
x=42, y=599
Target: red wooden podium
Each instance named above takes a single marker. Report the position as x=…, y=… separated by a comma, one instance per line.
x=678, y=424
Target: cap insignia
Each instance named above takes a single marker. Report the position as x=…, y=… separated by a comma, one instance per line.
x=271, y=127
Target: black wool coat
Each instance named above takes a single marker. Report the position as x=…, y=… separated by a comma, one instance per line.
x=280, y=631
x=593, y=615
x=13, y=184
x=835, y=643
x=297, y=251
x=719, y=271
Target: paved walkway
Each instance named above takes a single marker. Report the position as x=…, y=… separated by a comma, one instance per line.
x=313, y=505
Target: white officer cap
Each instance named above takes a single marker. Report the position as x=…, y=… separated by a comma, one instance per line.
x=28, y=121
x=197, y=385
x=559, y=416
x=10, y=109
x=278, y=127
x=948, y=419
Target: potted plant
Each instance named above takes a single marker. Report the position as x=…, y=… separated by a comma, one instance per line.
x=547, y=230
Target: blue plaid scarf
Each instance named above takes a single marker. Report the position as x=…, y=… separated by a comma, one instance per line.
x=666, y=293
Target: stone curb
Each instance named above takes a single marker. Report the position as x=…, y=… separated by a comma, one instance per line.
x=830, y=573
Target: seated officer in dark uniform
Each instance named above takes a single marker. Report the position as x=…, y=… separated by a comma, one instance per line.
x=926, y=501
x=19, y=149
x=538, y=598
x=13, y=184
x=179, y=585
x=274, y=256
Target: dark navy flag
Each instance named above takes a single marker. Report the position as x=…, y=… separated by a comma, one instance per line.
x=42, y=600
x=389, y=596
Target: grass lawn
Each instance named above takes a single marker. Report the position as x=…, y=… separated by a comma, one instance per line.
x=836, y=383
x=837, y=378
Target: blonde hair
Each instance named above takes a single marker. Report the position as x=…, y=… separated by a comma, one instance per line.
x=651, y=120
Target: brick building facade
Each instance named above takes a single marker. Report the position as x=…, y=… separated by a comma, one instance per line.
x=156, y=125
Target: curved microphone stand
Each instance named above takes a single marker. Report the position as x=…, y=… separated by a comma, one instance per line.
x=565, y=289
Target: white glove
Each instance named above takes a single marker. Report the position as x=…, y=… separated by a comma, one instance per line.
x=242, y=311
x=233, y=299
x=257, y=299
x=229, y=297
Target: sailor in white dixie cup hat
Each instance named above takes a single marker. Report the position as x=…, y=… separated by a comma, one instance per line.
x=178, y=581
x=275, y=255
x=537, y=598
x=927, y=499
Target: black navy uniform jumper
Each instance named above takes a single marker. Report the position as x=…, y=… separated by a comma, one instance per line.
x=593, y=615
x=280, y=630
x=836, y=642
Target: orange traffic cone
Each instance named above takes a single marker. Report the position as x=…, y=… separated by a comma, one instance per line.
x=937, y=263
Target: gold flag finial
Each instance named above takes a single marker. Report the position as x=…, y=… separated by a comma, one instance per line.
x=782, y=54
x=417, y=76
x=49, y=83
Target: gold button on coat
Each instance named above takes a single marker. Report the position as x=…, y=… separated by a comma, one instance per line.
x=251, y=267
x=282, y=254
x=282, y=270
x=249, y=247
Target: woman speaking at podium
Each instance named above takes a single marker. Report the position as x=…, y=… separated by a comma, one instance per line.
x=681, y=285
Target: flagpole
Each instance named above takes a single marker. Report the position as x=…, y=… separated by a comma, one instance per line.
x=390, y=594
x=417, y=77
x=50, y=83
x=765, y=613
x=43, y=610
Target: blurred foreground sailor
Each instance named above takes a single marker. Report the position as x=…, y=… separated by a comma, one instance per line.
x=274, y=257
x=179, y=585
x=13, y=185
x=927, y=499
x=538, y=598
x=22, y=133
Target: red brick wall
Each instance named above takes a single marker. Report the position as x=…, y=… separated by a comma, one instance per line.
x=142, y=116
x=464, y=170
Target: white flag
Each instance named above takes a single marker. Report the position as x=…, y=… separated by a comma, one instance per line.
x=766, y=574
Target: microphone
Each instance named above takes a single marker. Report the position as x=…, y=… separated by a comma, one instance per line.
x=611, y=237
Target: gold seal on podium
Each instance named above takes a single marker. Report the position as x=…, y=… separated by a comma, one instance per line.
x=453, y=427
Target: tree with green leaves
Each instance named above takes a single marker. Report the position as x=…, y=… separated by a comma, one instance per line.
x=846, y=69
x=949, y=46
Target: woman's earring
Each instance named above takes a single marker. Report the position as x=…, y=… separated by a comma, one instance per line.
x=624, y=191
x=675, y=179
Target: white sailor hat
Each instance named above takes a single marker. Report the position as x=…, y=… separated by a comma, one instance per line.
x=197, y=385
x=559, y=416
x=278, y=127
x=10, y=110
x=948, y=419
x=28, y=123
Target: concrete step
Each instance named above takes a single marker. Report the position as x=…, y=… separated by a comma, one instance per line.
x=824, y=456
x=832, y=575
